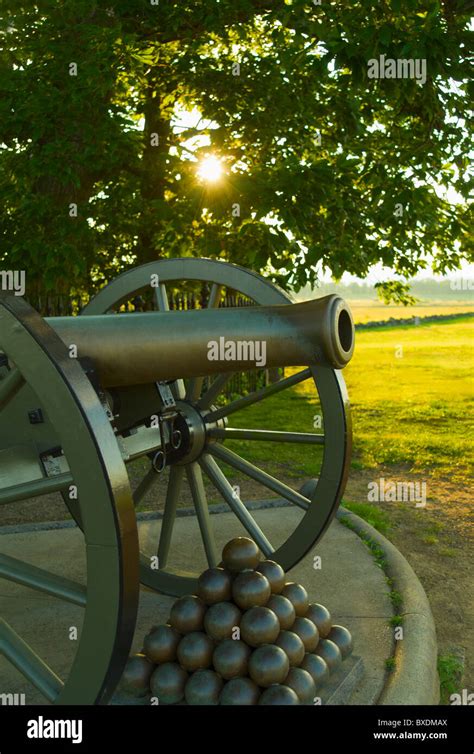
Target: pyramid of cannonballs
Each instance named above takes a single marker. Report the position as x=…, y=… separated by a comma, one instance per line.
x=246, y=637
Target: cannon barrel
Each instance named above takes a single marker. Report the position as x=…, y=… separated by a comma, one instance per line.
x=140, y=348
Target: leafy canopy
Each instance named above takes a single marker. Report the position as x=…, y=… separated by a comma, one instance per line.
x=323, y=166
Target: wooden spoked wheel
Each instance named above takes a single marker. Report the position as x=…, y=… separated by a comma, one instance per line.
x=330, y=447
x=36, y=363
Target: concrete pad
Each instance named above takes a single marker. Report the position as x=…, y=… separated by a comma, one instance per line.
x=343, y=683
x=415, y=678
x=348, y=583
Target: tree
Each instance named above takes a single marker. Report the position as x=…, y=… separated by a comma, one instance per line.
x=323, y=165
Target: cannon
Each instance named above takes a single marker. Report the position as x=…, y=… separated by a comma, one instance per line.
x=83, y=398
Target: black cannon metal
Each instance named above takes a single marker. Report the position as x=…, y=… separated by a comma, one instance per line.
x=82, y=397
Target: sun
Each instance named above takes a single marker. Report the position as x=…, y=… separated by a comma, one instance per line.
x=210, y=169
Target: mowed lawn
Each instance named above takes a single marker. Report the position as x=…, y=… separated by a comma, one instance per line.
x=411, y=391
x=375, y=311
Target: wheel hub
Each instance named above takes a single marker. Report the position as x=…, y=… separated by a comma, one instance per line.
x=191, y=424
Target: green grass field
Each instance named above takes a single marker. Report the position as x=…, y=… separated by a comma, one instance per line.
x=411, y=391
x=371, y=311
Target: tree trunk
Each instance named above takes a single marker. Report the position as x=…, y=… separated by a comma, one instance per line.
x=153, y=182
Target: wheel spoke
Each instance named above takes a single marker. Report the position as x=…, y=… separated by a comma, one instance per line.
x=162, y=303
x=229, y=433
x=223, y=485
x=193, y=388
x=239, y=463
x=259, y=395
x=202, y=510
x=215, y=389
x=29, y=575
x=10, y=386
x=144, y=486
x=215, y=296
x=20, y=654
x=195, y=384
x=169, y=515
x=161, y=298
x=35, y=488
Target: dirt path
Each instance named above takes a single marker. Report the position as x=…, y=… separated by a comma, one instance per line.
x=437, y=542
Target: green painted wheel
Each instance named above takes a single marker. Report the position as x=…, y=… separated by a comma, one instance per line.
x=318, y=505
x=36, y=363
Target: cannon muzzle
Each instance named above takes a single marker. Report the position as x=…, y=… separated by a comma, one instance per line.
x=140, y=348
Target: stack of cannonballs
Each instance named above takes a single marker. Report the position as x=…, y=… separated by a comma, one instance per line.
x=246, y=637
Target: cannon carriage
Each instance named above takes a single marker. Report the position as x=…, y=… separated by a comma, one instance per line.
x=82, y=398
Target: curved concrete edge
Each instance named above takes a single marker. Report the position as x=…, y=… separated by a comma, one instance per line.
x=415, y=677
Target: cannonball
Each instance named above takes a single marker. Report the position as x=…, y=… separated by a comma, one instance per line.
x=268, y=664
x=317, y=668
x=152, y=629
x=203, y=687
x=136, y=676
x=302, y=684
x=280, y=695
x=222, y=565
x=308, y=488
x=283, y=609
x=168, y=682
x=187, y=614
x=221, y=619
x=330, y=653
x=258, y=626
x=307, y=632
x=230, y=658
x=160, y=646
x=343, y=638
x=195, y=651
x=292, y=645
x=250, y=588
x=274, y=573
x=297, y=595
x=321, y=617
x=240, y=553
x=240, y=691
x=214, y=585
